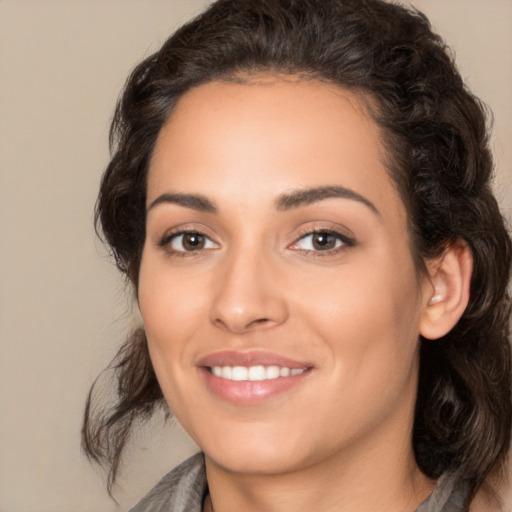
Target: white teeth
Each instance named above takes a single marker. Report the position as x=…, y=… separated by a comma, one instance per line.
x=239, y=373
x=257, y=373
x=272, y=372
x=284, y=372
x=254, y=373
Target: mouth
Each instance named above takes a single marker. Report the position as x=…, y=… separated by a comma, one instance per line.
x=249, y=378
x=254, y=373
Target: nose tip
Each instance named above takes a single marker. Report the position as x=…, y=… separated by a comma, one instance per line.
x=247, y=298
x=239, y=322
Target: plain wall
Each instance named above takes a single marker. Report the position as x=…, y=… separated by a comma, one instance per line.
x=63, y=311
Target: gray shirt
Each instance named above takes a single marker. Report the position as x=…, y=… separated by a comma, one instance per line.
x=184, y=488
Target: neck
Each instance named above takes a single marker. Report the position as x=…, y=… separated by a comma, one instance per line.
x=359, y=484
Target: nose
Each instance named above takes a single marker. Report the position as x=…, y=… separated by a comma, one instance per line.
x=248, y=295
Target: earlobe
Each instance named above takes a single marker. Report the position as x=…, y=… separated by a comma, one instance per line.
x=447, y=297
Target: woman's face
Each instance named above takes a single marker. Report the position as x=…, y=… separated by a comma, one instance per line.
x=277, y=287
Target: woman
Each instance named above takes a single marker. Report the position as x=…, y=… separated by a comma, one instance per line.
x=300, y=195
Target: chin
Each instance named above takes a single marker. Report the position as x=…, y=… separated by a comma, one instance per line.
x=257, y=450
x=255, y=462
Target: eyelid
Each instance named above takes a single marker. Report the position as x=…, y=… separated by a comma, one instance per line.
x=209, y=243
x=165, y=241
x=347, y=241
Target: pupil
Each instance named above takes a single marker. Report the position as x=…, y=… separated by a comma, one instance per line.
x=323, y=241
x=193, y=241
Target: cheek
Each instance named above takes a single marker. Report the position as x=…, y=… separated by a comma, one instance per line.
x=170, y=310
x=367, y=313
x=169, y=307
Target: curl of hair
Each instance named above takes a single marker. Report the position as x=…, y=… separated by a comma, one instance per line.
x=106, y=431
x=436, y=137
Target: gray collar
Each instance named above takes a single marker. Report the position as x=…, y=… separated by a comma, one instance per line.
x=184, y=488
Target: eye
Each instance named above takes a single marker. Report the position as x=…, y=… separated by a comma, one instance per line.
x=188, y=241
x=322, y=240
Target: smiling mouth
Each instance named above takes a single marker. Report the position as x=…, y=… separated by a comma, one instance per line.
x=254, y=373
x=251, y=377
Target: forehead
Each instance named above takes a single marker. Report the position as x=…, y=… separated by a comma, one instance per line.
x=269, y=135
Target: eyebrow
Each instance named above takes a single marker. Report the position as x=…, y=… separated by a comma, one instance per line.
x=296, y=199
x=194, y=201
x=304, y=197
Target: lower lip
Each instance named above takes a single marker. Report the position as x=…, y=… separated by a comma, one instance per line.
x=248, y=392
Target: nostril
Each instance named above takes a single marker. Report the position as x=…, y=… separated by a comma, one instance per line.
x=241, y=326
x=259, y=321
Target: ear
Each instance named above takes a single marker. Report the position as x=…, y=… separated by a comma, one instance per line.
x=448, y=294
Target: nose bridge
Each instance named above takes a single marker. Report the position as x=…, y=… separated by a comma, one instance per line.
x=247, y=295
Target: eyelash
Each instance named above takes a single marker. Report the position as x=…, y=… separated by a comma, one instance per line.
x=346, y=242
x=167, y=240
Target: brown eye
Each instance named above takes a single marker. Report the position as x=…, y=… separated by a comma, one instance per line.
x=189, y=242
x=193, y=241
x=323, y=241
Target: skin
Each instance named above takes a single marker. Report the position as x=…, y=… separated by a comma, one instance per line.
x=341, y=438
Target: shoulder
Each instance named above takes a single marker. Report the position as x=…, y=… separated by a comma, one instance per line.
x=182, y=489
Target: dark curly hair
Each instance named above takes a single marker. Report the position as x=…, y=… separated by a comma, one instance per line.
x=436, y=136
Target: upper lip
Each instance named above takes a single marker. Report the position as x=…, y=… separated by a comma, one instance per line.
x=249, y=358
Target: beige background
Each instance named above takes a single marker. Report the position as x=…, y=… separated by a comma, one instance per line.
x=63, y=311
